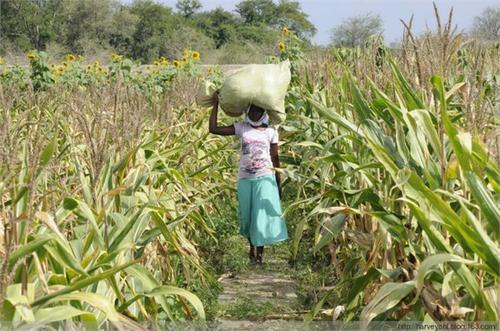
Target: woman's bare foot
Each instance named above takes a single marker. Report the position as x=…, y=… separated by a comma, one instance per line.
x=258, y=255
x=252, y=253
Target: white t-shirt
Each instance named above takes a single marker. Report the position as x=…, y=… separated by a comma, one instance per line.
x=255, y=157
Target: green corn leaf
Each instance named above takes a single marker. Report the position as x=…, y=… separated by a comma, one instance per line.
x=32, y=246
x=125, y=231
x=489, y=208
x=467, y=278
x=412, y=99
x=45, y=316
x=389, y=295
x=47, y=153
x=431, y=261
x=172, y=290
x=103, y=304
x=331, y=227
x=82, y=283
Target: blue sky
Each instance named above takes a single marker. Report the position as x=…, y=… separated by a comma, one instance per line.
x=325, y=14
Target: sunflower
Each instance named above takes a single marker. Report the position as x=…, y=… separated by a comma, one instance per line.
x=177, y=64
x=157, y=63
x=70, y=57
x=209, y=69
x=285, y=31
x=32, y=56
x=65, y=63
x=281, y=46
x=195, y=55
x=185, y=52
x=52, y=66
x=116, y=57
x=2, y=61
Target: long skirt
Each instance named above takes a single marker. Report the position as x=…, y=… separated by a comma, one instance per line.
x=260, y=214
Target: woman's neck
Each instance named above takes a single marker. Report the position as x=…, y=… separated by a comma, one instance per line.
x=260, y=126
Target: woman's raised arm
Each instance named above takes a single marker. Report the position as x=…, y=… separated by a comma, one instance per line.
x=212, y=125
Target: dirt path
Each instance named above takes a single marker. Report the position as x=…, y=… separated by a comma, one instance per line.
x=261, y=296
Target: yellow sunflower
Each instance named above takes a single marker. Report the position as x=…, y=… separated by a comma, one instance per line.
x=116, y=57
x=281, y=46
x=2, y=61
x=285, y=31
x=70, y=57
x=185, y=52
x=32, y=56
x=195, y=55
x=176, y=63
x=65, y=63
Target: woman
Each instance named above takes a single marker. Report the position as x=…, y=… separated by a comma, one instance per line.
x=259, y=189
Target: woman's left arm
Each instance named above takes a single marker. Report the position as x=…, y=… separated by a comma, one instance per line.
x=276, y=163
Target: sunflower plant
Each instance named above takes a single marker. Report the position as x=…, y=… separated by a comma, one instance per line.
x=41, y=76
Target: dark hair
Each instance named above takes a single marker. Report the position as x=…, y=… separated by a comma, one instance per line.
x=260, y=109
x=257, y=108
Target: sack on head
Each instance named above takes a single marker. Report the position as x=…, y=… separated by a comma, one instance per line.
x=264, y=85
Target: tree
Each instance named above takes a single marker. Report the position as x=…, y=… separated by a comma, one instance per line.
x=188, y=7
x=121, y=32
x=285, y=13
x=487, y=25
x=355, y=31
x=257, y=11
x=218, y=24
x=87, y=24
x=155, y=24
x=289, y=14
x=30, y=24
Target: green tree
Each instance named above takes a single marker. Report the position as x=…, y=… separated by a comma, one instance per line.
x=487, y=25
x=256, y=11
x=285, y=13
x=218, y=24
x=155, y=24
x=122, y=29
x=188, y=7
x=355, y=31
x=88, y=24
x=30, y=24
x=290, y=14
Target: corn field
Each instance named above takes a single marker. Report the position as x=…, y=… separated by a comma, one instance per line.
x=109, y=181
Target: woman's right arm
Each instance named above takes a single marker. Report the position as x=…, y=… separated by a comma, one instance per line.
x=212, y=125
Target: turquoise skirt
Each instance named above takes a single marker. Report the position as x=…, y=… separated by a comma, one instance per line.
x=260, y=214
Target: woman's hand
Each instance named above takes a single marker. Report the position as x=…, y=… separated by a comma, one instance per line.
x=215, y=98
x=213, y=127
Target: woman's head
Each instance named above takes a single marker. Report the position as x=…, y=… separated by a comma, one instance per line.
x=255, y=113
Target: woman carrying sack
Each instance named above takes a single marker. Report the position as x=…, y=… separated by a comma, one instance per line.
x=259, y=190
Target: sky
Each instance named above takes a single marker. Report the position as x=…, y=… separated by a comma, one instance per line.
x=325, y=14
